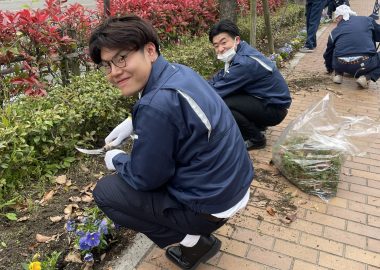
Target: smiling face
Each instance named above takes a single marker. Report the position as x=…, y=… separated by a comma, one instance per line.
x=223, y=42
x=129, y=70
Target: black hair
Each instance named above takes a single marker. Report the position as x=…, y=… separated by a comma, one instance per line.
x=224, y=26
x=128, y=32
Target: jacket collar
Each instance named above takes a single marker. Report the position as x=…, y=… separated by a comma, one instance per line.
x=158, y=68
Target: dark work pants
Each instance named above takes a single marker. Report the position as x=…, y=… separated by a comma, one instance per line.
x=252, y=115
x=314, y=10
x=370, y=68
x=333, y=4
x=154, y=213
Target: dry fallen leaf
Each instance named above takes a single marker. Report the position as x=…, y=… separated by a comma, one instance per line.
x=98, y=175
x=33, y=246
x=93, y=185
x=79, y=213
x=47, y=197
x=56, y=219
x=87, y=198
x=68, y=183
x=61, y=179
x=73, y=257
x=271, y=211
x=43, y=238
x=86, y=188
x=75, y=199
x=23, y=218
x=69, y=209
x=103, y=256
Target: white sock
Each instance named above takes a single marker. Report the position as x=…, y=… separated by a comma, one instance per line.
x=190, y=240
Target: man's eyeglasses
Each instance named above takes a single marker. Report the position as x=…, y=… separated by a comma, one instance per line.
x=119, y=60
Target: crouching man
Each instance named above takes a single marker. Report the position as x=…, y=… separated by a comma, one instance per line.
x=351, y=47
x=188, y=171
x=250, y=84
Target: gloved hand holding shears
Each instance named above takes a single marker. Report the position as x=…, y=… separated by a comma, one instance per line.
x=119, y=134
x=114, y=139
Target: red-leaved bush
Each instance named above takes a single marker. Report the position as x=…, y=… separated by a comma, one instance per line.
x=44, y=38
x=41, y=38
x=171, y=18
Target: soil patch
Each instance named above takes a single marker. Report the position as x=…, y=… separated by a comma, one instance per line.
x=18, y=239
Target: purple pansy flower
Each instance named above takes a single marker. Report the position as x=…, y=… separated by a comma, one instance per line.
x=93, y=239
x=70, y=225
x=83, y=245
x=88, y=257
x=79, y=233
x=103, y=228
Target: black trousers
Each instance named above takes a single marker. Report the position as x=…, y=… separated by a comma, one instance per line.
x=154, y=213
x=313, y=14
x=370, y=67
x=252, y=115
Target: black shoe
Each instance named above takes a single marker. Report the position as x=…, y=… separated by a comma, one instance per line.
x=254, y=143
x=190, y=257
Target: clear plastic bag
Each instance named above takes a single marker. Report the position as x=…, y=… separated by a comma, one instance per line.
x=313, y=147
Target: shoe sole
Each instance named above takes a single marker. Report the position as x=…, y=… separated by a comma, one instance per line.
x=211, y=253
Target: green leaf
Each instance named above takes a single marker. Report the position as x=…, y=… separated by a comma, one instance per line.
x=3, y=244
x=11, y=216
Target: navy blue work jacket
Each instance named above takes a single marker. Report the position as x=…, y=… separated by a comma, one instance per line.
x=355, y=37
x=187, y=141
x=252, y=73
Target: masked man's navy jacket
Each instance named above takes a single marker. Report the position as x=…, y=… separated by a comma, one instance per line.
x=252, y=73
x=187, y=141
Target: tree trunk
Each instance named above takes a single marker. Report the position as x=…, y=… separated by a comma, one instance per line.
x=227, y=10
x=268, y=26
x=107, y=8
x=252, y=37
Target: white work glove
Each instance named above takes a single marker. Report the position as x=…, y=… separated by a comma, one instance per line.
x=109, y=156
x=119, y=133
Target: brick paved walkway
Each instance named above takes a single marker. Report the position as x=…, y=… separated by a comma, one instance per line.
x=342, y=234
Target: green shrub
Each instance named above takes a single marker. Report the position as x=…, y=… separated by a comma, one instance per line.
x=38, y=135
x=285, y=23
x=196, y=53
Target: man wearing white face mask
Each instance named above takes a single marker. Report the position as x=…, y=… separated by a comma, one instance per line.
x=250, y=84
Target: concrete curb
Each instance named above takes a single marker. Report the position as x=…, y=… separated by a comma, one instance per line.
x=132, y=255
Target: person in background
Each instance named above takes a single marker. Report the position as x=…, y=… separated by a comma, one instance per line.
x=351, y=47
x=313, y=14
x=333, y=4
x=188, y=171
x=250, y=84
